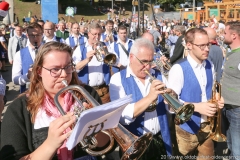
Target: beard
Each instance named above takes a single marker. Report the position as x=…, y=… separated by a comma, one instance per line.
x=227, y=42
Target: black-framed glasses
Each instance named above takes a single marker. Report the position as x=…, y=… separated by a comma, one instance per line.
x=203, y=46
x=144, y=62
x=55, y=72
x=34, y=36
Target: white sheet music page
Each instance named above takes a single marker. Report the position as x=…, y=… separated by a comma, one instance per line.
x=108, y=113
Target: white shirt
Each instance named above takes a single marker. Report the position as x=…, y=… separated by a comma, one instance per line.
x=176, y=79
x=17, y=76
x=123, y=59
x=95, y=69
x=53, y=39
x=116, y=90
x=76, y=40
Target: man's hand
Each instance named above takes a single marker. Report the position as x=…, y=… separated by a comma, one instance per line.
x=157, y=87
x=29, y=73
x=90, y=55
x=206, y=108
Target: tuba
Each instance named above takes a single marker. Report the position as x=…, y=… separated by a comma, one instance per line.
x=103, y=55
x=183, y=112
x=215, y=121
x=132, y=146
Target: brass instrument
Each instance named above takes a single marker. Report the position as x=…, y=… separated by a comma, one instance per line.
x=103, y=55
x=163, y=68
x=132, y=146
x=216, y=125
x=183, y=112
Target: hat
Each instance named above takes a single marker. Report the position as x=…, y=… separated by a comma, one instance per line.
x=4, y=6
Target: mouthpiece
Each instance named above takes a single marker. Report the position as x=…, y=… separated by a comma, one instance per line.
x=64, y=82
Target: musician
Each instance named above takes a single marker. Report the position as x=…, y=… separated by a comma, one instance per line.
x=90, y=70
x=230, y=87
x=109, y=36
x=121, y=48
x=48, y=30
x=192, y=79
x=23, y=59
x=137, y=117
x=75, y=38
x=32, y=126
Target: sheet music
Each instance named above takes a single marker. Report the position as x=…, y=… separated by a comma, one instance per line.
x=108, y=113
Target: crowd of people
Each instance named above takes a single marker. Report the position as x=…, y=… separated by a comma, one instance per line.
x=43, y=54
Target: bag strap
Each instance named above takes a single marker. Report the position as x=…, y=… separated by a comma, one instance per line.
x=124, y=49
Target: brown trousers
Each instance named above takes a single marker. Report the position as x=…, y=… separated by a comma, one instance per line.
x=104, y=94
x=195, y=146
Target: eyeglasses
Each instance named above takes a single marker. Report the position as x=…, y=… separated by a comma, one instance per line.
x=48, y=29
x=203, y=46
x=96, y=34
x=144, y=62
x=34, y=36
x=55, y=72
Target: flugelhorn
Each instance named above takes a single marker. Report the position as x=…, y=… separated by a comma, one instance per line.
x=103, y=55
x=183, y=112
x=162, y=66
x=216, y=125
x=132, y=146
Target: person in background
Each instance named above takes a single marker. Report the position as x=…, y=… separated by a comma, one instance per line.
x=61, y=32
x=17, y=42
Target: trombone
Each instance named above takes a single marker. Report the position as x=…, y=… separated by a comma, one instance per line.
x=183, y=112
x=103, y=55
x=132, y=146
x=215, y=121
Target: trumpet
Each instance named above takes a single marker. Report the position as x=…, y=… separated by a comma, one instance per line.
x=215, y=121
x=103, y=55
x=183, y=112
x=132, y=146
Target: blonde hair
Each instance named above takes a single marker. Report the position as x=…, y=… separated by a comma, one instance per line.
x=36, y=91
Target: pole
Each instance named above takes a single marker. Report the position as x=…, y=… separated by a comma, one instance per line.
x=194, y=10
x=138, y=34
x=112, y=9
x=143, y=17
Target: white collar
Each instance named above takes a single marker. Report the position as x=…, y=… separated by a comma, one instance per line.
x=193, y=63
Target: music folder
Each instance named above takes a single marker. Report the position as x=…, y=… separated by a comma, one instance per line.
x=105, y=116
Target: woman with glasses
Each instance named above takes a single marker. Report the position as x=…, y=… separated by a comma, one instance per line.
x=32, y=126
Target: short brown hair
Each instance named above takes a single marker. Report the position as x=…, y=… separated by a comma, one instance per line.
x=34, y=25
x=122, y=27
x=190, y=34
x=235, y=26
x=109, y=22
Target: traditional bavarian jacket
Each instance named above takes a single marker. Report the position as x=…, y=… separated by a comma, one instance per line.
x=191, y=92
x=136, y=127
x=120, y=57
x=27, y=61
x=83, y=75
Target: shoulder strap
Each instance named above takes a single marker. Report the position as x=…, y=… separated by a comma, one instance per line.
x=124, y=49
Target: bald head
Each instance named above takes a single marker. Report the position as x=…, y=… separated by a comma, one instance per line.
x=211, y=33
x=148, y=36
